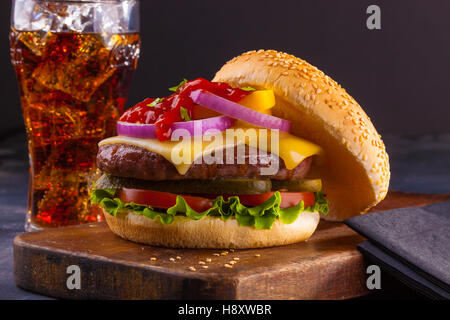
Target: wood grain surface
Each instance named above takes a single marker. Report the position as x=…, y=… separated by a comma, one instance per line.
x=327, y=266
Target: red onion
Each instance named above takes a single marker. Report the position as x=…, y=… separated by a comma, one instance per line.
x=238, y=111
x=148, y=131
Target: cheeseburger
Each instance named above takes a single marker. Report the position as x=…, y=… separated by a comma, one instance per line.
x=250, y=159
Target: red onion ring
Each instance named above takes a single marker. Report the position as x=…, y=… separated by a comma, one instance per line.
x=237, y=111
x=148, y=131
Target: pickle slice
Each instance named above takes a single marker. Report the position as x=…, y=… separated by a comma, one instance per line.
x=304, y=185
x=217, y=186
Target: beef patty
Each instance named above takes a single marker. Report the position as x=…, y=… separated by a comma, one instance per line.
x=129, y=161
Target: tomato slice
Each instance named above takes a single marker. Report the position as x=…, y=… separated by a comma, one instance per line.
x=164, y=200
x=288, y=199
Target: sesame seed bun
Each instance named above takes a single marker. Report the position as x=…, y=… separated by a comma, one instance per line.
x=209, y=232
x=355, y=172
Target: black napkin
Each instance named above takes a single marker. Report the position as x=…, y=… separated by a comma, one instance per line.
x=412, y=244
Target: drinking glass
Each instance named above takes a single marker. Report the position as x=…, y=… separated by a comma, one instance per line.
x=74, y=62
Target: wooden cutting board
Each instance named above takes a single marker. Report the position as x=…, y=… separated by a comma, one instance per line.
x=327, y=266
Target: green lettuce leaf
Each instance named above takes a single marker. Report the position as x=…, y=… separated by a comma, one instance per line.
x=181, y=207
x=165, y=218
x=322, y=205
x=98, y=195
x=262, y=216
x=289, y=215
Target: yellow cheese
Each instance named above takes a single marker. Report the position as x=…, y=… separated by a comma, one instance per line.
x=183, y=153
x=259, y=100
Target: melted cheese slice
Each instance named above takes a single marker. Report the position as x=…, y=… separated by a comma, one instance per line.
x=183, y=153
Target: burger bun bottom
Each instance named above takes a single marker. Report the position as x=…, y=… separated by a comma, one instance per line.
x=210, y=232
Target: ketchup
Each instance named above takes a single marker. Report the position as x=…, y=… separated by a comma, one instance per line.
x=163, y=112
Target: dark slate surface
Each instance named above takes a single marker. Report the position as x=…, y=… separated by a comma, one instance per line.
x=418, y=164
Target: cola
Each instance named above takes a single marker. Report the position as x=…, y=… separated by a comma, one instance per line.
x=73, y=87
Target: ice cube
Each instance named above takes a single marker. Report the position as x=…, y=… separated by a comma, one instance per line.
x=35, y=40
x=100, y=17
x=74, y=17
x=22, y=14
x=112, y=19
x=80, y=73
x=41, y=19
x=54, y=120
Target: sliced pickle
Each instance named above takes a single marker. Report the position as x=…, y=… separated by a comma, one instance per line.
x=304, y=185
x=217, y=186
x=108, y=182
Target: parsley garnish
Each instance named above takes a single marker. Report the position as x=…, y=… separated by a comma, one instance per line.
x=184, y=114
x=155, y=102
x=174, y=89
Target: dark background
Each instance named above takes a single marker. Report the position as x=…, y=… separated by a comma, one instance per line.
x=399, y=74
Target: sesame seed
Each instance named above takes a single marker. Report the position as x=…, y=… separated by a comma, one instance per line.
x=216, y=254
x=257, y=255
x=229, y=266
x=224, y=253
x=192, y=268
x=232, y=262
x=178, y=258
x=172, y=259
x=237, y=259
x=153, y=259
x=201, y=262
x=208, y=260
x=205, y=267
